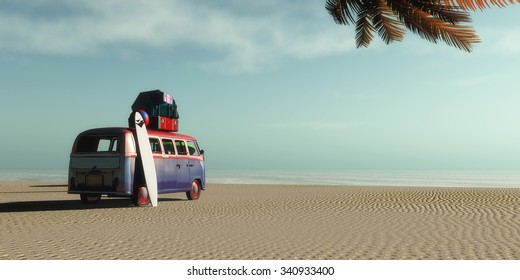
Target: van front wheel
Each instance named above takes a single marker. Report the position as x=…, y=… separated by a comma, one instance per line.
x=194, y=192
x=90, y=198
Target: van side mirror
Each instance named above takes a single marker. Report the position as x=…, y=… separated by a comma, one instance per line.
x=202, y=152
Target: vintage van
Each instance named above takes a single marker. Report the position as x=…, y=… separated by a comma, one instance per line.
x=104, y=161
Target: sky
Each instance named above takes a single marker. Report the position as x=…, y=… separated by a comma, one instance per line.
x=261, y=85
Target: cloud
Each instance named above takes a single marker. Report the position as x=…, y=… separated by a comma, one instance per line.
x=478, y=81
x=498, y=30
x=245, y=36
x=507, y=43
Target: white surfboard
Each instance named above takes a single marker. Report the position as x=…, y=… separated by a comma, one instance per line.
x=145, y=151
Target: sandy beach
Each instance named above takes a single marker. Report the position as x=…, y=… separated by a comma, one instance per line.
x=39, y=220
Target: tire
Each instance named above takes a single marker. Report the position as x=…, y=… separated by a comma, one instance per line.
x=90, y=198
x=141, y=196
x=195, y=190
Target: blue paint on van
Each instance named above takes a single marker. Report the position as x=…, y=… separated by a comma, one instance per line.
x=104, y=161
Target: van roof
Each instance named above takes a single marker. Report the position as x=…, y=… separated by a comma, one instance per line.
x=151, y=132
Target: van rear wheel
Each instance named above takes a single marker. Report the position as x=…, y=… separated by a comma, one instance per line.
x=90, y=198
x=141, y=197
x=194, y=192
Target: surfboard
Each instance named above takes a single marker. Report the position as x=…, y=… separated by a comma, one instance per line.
x=145, y=152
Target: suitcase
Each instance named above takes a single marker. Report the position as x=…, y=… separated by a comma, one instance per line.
x=162, y=110
x=156, y=103
x=164, y=123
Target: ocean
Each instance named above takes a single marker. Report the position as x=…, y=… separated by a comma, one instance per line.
x=426, y=178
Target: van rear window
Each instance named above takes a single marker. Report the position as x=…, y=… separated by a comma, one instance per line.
x=97, y=144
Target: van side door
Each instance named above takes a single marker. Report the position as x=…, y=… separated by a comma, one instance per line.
x=158, y=159
x=182, y=165
x=170, y=165
x=196, y=162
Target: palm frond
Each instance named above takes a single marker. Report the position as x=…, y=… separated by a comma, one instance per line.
x=388, y=28
x=438, y=9
x=433, y=20
x=479, y=4
x=339, y=11
x=460, y=36
x=342, y=10
x=364, y=28
x=423, y=22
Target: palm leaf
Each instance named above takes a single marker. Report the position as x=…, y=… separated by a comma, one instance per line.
x=388, y=28
x=438, y=9
x=480, y=4
x=422, y=20
x=459, y=36
x=364, y=28
x=339, y=11
x=433, y=20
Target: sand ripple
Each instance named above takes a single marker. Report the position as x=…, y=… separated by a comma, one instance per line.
x=264, y=222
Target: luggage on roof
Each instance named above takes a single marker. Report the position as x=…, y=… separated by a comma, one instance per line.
x=161, y=109
x=157, y=104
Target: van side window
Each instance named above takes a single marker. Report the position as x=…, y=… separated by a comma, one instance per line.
x=168, y=146
x=155, y=145
x=193, y=148
x=181, y=147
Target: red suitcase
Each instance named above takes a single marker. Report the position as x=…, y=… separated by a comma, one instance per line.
x=164, y=123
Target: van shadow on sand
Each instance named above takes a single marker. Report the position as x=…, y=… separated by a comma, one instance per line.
x=64, y=205
x=48, y=186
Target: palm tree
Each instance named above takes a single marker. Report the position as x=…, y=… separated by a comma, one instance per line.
x=433, y=20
